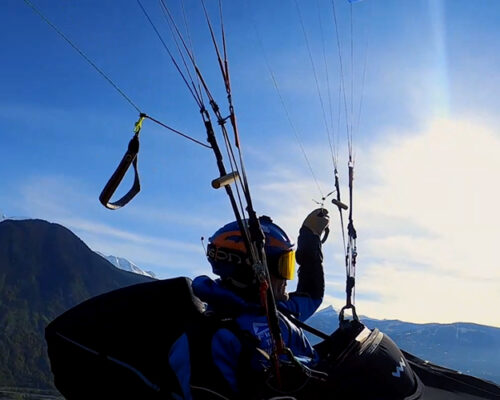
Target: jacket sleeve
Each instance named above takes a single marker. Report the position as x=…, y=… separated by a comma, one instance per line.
x=311, y=286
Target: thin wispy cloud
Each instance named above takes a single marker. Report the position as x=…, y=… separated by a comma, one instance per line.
x=95, y=228
x=162, y=216
x=41, y=198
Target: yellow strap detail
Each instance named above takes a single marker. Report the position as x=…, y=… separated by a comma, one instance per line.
x=138, y=124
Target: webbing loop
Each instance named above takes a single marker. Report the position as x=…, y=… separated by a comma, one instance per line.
x=129, y=158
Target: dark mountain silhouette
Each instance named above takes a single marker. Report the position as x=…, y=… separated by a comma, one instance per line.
x=470, y=348
x=44, y=270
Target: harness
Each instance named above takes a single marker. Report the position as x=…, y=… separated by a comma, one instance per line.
x=295, y=379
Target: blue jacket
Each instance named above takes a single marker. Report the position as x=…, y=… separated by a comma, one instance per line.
x=226, y=346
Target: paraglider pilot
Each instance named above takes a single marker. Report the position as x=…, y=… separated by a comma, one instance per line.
x=229, y=356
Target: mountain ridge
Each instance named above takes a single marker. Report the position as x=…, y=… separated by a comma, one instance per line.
x=471, y=348
x=329, y=307
x=44, y=270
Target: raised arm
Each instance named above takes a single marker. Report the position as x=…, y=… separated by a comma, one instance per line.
x=311, y=286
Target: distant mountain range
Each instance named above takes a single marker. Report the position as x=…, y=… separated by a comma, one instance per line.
x=470, y=348
x=45, y=270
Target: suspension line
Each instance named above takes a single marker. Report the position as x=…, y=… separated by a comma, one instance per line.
x=285, y=108
x=83, y=55
x=317, y=83
x=172, y=58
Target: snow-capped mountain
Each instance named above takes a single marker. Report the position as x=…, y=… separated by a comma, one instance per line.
x=127, y=265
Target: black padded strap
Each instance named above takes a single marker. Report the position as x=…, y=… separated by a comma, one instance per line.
x=130, y=157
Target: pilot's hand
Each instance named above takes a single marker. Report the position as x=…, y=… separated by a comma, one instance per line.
x=317, y=221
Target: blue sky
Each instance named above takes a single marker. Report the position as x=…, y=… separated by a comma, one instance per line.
x=426, y=142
